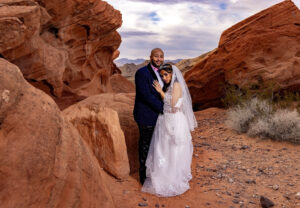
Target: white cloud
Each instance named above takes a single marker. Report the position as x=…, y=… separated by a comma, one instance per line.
x=183, y=29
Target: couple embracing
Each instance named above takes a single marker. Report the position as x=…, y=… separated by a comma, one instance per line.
x=164, y=114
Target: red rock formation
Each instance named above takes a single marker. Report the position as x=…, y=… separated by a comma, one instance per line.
x=120, y=84
x=123, y=104
x=100, y=128
x=44, y=162
x=187, y=64
x=263, y=47
x=64, y=46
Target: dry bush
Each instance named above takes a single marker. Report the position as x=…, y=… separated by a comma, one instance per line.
x=283, y=125
x=241, y=116
x=258, y=118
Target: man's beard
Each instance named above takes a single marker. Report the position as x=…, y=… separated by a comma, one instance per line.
x=153, y=64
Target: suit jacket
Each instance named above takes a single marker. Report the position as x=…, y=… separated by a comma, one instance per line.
x=148, y=102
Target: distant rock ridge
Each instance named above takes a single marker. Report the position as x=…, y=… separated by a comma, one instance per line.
x=122, y=61
x=128, y=70
x=187, y=64
x=264, y=47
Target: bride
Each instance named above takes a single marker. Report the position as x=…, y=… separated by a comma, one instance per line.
x=171, y=149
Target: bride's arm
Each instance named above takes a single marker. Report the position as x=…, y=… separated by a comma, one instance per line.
x=176, y=94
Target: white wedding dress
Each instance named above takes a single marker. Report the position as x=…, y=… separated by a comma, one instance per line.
x=170, y=154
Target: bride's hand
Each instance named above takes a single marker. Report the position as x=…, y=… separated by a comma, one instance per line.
x=157, y=86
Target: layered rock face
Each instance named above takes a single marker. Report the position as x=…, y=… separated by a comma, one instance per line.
x=187, y=64
x=100, y=128
x=62, y=46
x=121, y=103
x=44, y=162
x=264, y=47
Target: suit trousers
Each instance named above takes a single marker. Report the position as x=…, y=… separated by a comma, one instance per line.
x=144, y=144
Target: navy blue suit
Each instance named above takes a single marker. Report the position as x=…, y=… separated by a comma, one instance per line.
x=148, y=105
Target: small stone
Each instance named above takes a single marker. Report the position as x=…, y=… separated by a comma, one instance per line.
x=156, y=205
x=145, y=199
x=275, y=187
x=230, y=180
x=143, y=204
x=265, y=202
x=251, y=181
x=244, y=147
x=298, y=195
x=187, y=206
x=287, y=196
x=235, y=201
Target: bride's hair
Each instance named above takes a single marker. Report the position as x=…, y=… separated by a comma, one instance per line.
x=168, y=68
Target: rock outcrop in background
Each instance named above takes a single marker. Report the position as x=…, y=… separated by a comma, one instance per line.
x=264, y=47
x=62, y=47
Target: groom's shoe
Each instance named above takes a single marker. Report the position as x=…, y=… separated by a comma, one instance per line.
x=142, y=180
x=142, y=177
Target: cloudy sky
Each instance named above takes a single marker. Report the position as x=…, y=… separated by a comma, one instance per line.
x=182, y=28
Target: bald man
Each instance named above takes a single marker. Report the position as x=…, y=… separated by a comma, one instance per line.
x=148, y=105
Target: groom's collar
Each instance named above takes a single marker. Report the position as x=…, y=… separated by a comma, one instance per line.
x=149, y=66
x=154, y=68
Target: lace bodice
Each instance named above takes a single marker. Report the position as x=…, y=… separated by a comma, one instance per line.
x=168, y=108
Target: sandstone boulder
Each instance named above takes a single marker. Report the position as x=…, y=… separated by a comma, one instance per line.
x=259, y=49
x=120, y=84
x=123, y=104
x=100, y=128
x=185, y=65
x=44, y=162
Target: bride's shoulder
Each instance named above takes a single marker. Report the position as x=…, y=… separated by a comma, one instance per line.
x=177, y=87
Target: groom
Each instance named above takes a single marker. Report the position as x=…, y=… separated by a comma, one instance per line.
x=148, y=104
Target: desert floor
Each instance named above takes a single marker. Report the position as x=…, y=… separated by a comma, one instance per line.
x=229, y=170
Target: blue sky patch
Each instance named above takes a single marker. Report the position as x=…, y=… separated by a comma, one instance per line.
x=154, y=17
x=223, y=6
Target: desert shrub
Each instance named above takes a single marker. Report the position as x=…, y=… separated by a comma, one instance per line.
x=283, y=125
x=241, y=116
x=258, y=117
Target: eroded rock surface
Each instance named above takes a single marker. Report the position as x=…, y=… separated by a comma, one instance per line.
x=62, y=46
x=123, y=104
x=44, y=162
x=100, y=128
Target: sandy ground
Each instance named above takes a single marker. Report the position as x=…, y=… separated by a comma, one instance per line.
x=229, y=170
